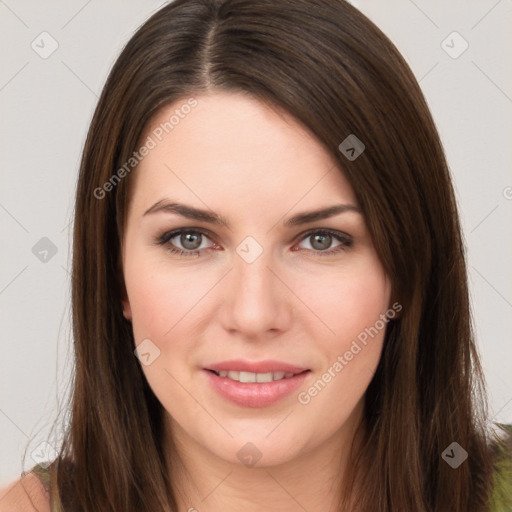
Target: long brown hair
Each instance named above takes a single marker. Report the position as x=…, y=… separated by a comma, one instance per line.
x=329, y=66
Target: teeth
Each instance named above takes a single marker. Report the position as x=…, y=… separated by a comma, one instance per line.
x=254, y=377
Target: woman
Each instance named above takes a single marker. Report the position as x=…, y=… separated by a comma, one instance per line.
x=270, y=301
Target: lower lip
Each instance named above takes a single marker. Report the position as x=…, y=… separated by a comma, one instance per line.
x=255, y=394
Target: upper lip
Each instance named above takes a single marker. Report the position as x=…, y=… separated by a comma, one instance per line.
x=266, y=366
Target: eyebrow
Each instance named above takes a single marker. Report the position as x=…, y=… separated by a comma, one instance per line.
x=198, y=214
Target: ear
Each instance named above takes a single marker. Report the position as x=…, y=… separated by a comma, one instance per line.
x=127, y=310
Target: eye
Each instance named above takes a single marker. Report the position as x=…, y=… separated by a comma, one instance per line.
x=191, y=240
x=322, y=239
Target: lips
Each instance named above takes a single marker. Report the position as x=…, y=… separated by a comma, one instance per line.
x=251, y=393
x=255, y=384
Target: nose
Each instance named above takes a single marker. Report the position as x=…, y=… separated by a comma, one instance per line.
x=256, y=300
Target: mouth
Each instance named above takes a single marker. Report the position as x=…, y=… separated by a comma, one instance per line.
x=251, y=377
x=256, y=389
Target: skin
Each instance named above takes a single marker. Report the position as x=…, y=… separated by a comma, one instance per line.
x=256, y=166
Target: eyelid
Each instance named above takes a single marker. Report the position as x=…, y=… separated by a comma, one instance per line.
x=330, y=231
x=168, y=235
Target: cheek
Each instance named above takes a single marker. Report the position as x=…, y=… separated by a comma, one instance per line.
x=352, y=308
x=160, y=295
x=343, y=303
x=162, y=304
x=347, y=302
x=154, y=299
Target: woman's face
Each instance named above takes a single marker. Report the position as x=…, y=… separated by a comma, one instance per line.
x=260, y=294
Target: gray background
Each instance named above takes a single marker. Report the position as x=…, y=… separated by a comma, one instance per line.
x=47, y=103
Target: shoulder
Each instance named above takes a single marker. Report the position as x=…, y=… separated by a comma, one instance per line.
x=501, y=497
x=27, y=494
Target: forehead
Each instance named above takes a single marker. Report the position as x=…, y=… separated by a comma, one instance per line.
x=232, y=147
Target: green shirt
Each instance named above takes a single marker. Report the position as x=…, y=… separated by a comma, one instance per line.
x=501, y=497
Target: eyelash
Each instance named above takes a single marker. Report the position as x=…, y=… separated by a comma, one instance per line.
x=164, y=239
